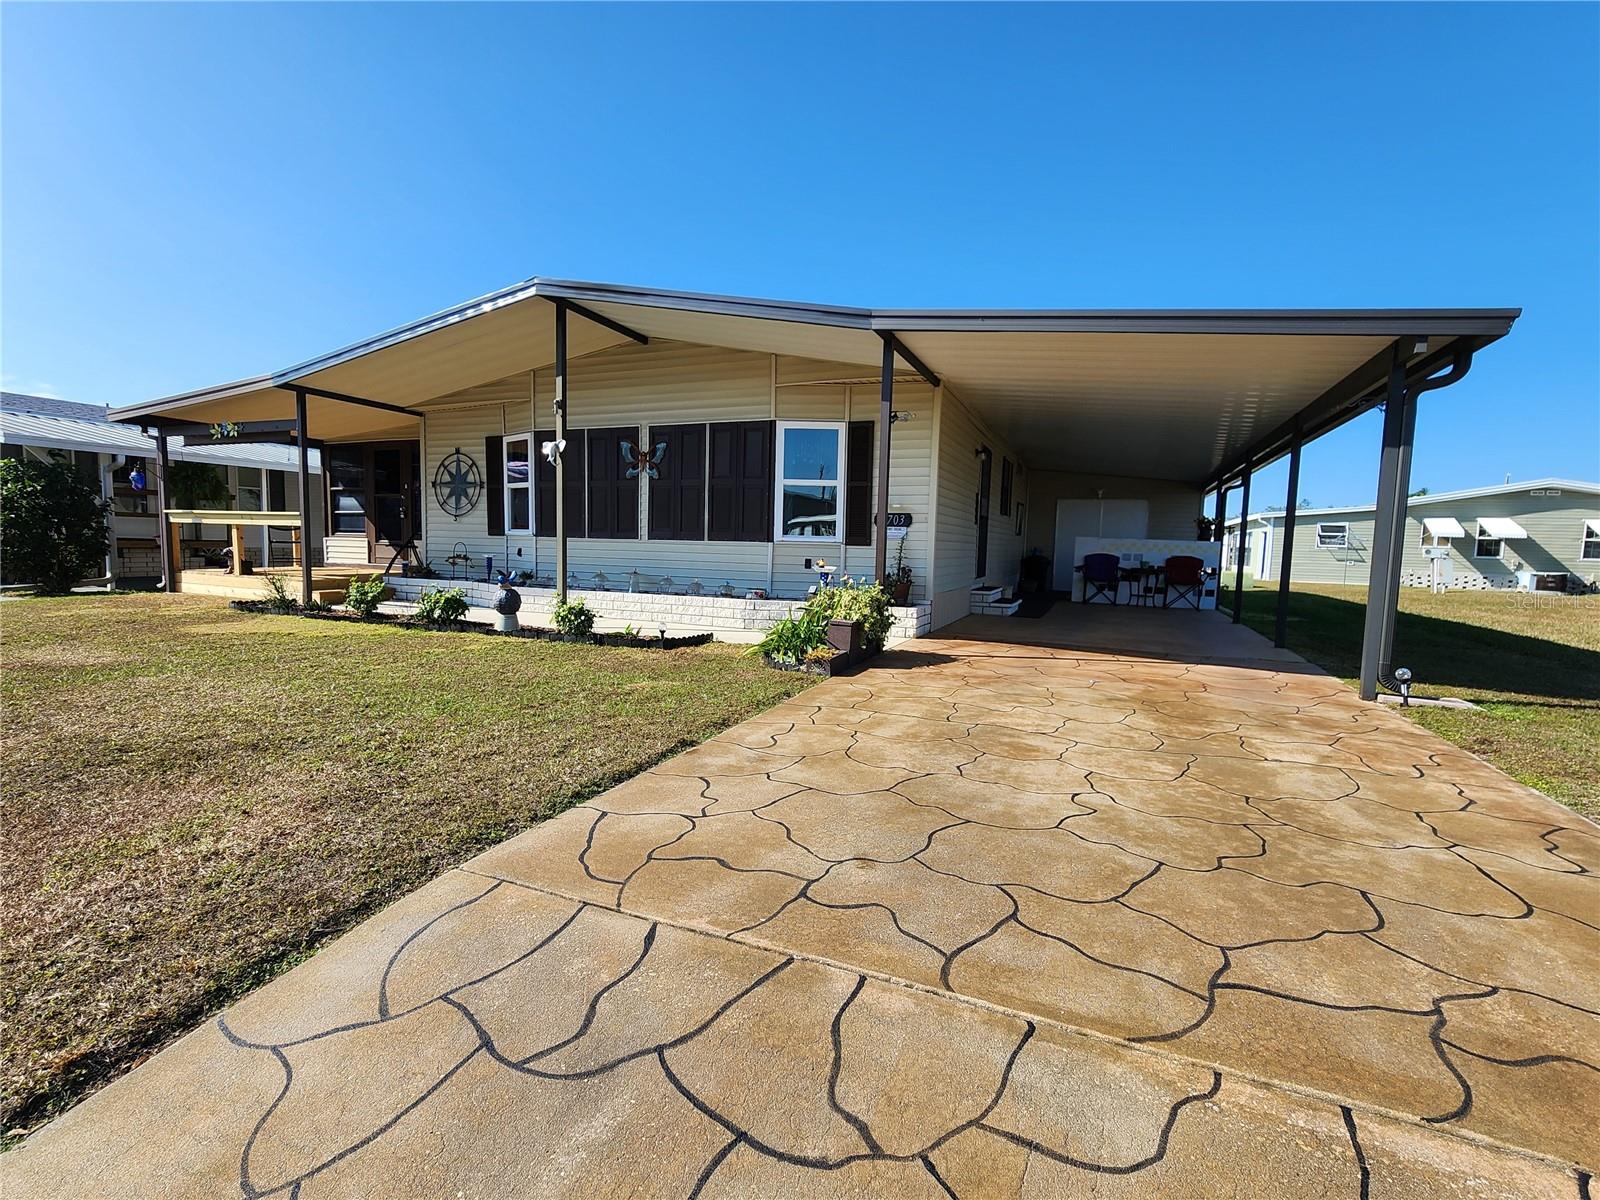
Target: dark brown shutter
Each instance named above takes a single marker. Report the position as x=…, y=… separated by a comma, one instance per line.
x=613, y=497
x=678, y=493
x=858, y=511
x=544, y=477
x=739, y=479
x=1005, y=487
x=494, y=484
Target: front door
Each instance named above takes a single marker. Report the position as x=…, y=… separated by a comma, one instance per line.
x=985, y=478
x=374, y=490
x=395, y=491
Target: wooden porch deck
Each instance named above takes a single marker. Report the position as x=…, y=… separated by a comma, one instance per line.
x=327, y=583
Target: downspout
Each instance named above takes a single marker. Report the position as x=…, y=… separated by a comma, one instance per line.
x=1460, y=364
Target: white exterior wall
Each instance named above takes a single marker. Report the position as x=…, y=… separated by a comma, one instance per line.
x=1173, y=505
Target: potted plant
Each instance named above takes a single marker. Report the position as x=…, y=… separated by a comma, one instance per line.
x=900, y=576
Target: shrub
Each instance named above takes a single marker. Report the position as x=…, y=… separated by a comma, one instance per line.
x=574, y=618
x=52, y=524
x=851, y=601
x=363, y=595
x=444, y=606
x=278, y=598
x=794, y=637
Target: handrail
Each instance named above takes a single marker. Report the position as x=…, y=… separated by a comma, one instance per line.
x=224, y=516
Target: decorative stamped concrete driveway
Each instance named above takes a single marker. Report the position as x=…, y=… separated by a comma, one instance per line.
x=985, y=920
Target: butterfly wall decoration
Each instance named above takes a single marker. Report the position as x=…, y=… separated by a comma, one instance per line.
x=638, y=463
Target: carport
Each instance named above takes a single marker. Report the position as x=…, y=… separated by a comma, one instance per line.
x=1193, y=401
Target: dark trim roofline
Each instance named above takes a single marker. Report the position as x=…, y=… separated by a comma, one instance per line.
x=1455, y=322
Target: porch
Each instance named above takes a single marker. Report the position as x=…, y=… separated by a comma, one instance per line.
x=327, y=583
x=1170, y=634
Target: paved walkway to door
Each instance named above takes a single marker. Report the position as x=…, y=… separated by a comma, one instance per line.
x=987, y=919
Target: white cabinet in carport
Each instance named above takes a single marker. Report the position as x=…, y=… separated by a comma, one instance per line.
x=1093, y=518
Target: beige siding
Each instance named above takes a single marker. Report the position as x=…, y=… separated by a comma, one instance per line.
x=956, y=543
x=465, y=428
x=668, y=382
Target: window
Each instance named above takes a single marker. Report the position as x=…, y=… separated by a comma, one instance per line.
x=1005, y=487
x=1485, y=546
x=519, y=483
x=678, y=490
x=739, y=481
x=810, y=462
x=1333, y=535
x=347, y=488
x=1591, y=541
x=1430, y=539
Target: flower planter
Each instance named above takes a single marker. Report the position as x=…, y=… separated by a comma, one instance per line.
x=845, y=637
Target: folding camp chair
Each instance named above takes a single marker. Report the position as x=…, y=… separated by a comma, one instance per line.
x=1185, y=581
x=1101, y=577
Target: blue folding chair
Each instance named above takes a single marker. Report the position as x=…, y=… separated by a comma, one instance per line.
x=1101, y=577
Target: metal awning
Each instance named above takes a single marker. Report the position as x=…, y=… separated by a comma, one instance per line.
x=1500, y=527
x=1171, y=394
x=1443, y=527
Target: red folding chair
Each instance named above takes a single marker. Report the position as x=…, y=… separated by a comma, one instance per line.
x=1185, y=580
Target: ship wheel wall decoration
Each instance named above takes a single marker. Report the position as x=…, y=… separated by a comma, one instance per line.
x=457, y=484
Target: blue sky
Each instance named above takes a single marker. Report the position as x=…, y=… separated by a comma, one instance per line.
x=198, y=192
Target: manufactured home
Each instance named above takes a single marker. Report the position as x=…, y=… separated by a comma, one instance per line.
x=118, y=459
x=719, y=452
x=1540, y=535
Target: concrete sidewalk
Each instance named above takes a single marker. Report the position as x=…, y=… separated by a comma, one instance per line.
x=984, y=920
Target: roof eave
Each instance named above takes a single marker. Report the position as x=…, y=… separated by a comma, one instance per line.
x=134, y=413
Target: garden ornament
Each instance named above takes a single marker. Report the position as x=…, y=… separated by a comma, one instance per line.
x=507, y=602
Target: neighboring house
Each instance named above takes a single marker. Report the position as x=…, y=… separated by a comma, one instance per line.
x=721, y=446
x=1539, y=534
x=106, y=452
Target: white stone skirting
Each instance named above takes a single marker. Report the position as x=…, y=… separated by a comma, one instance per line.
x=650, y=611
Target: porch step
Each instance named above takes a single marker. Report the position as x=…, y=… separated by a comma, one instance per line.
x=992, y=602
x=1000, y=608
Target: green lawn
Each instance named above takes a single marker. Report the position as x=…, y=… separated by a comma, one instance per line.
x=195, y=798
x=1531, y=664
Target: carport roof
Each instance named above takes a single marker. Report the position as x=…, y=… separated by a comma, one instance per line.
x=1176, y=394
